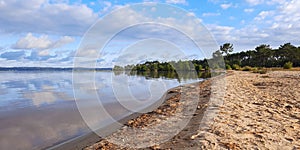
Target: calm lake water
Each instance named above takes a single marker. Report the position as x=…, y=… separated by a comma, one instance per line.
x=38, y=109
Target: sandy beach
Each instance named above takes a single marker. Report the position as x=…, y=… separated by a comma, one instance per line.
x=259, y=112
x=241, y=110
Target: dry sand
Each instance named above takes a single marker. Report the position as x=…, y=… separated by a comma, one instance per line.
x=250, y=111
x=259, y=112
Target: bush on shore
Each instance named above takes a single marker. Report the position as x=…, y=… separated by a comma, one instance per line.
x=288, y=65
x=264, y=71
x=235, y=67
x=246, y=68
x=228, y=67
x=260, y=70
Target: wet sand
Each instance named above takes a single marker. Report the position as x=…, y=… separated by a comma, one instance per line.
x=174, y=122
x=250, y=111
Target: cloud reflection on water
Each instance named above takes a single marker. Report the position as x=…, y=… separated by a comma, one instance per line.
x=37, y=109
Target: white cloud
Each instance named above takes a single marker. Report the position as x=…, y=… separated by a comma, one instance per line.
x=32, y=42
x=41, y=43
x=221, y=32
x=153, y=9
x=249, y=10
x=132, y=30
x=214, y=1
x=210, y=14
x=92, y=3
x=287, y=20
x=151, y=49
x=268, y=2
x=226, y=6
x=41, y=16
x=272, y=2
x=243, y=22
x=191, y=14
x=107, y=6
x=243, y=39
x=176, y=1
x=264, y=14
x=255, y=2
x=63, y=41
x=43, y=53
x=275, y=27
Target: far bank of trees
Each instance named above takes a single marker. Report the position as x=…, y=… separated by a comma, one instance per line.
x=265, y=56
x=287, y=56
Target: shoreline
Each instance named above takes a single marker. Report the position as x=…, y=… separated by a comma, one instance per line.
x=258, y=111
x=166, y=110
x=82, y=142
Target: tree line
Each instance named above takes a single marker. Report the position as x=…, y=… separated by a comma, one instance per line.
x=262, y=56
x=265, y=56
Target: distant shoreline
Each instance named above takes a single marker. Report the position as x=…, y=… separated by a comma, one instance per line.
x=26, y=69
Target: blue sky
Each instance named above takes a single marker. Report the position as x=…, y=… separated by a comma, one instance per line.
x=49, y=32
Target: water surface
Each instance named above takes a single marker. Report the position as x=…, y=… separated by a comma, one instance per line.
x=38, y=109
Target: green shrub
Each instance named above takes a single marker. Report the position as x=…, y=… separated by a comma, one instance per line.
x=118, y=68
x=246, y=68
x=264, y=71
x=235, y=67
x=254, y=69
x=198, y=67
x=259, y=70
x=288, y=65
x=228, y=67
